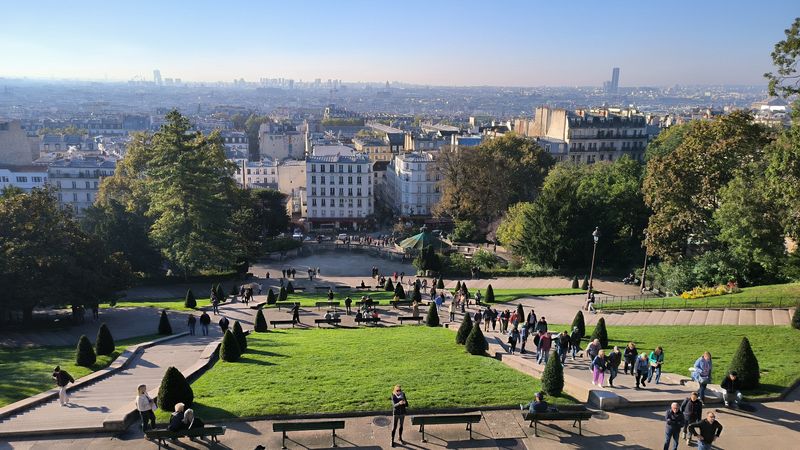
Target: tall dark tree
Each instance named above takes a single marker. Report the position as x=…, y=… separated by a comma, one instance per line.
x=260, y=325
x=229, y=350
x=600, y=333
x=241, y=339
x=164, y=326
x=489, y=294
x=399, y=291
x=553, y=376
x=745, y=364
x=580, y=323
x=464, y=330
x=190, y=301
x=476, y=343
x=432, y=319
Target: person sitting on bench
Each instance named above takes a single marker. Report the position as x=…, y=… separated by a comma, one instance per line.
x=328, y=316
x=176, y=421
x=190, y=421
x=537, y=405
x=359, y=316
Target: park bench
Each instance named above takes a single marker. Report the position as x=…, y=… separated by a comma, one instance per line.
x=328, y=303
x=371, y=302
x=400, y=303
x=320, y=288
x=274, y=323
x=160, y=436
x=286, y=305
x=343, y=287
x=468, y=419
x=364, y=287
x=284, y=427
x=576, y=415
x=334, y=321
x=368, y=320
x=258, y=305
x=415, y=318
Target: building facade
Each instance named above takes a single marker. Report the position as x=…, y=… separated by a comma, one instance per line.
x=24, y=177
x=279, y=141
x=77, y=179
x=339, y=192
x=376, y=149
x=412, y=184
x=257, y=174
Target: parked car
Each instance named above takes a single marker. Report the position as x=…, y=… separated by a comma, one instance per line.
x=342, y=237
x=297, y=236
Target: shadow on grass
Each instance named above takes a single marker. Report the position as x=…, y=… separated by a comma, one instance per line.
x=265, y=353
x=257, y=362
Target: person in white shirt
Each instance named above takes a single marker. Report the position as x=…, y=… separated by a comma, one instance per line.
x=146, y=406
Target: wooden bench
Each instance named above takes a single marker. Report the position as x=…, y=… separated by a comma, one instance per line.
x=468, y=419
x=364, y=287
x=284, y=427
x=258, y=305
x=335, y=321
x=368, y=320
x=418, y=319
x=282, y=322
x=286, y=305
x=343, y=287
x=400, y=303
x=160, y=436
x=328, y=303
x=320, y=288
x=373, y=302
x=577, y=415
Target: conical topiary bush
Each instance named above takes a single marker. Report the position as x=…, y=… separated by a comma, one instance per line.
x=289, y=288
x=580, y=323
x=553, y=376
x=260, y=325
x=84, y=355
x=416, y=295
x=575, y=282
x=745, y=364
x=432, y=319
x=464, y=330
x=458, y=286
x=388, y=287
x=600, y=333
x=464, y=289
x=104, y=341
x=399, y=291
x=440, y=284
x=520, y=313
x=229, y=349
x=476, y=343
x=164, y=327
x=489, y=294
x=190, y=301
x=585, y=284
x=240, y=337
x=271, y=298
x=221, y=293
x=282, y=294
x=174, y=389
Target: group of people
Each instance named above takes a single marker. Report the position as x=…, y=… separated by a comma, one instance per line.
x=288, y=273
x=205, y=321
x=181, y=419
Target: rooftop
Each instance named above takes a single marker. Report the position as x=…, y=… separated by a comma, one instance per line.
x=346, y=159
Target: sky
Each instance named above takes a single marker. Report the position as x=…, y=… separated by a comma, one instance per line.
x=433, y=42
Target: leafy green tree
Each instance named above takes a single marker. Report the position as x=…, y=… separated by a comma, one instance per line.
x=745, y=364
x=579, y=323
x=428, y=260
x=241, y=339
x=190, y=301
x=164, y=326
x=785, y=81
x=783, y=177
x=600, y=333
x=432, y=319
x=511, y=228
x=464, y=330
x=174, y=389
x=553, y=376
x=104, y=342
x=399, y=291
x=464, y=231
x=484, y=259
x=84, y=355
x=476, y=343
x=489, y=294
x=261, y=323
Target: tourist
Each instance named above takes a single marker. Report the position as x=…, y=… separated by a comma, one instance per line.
x=630, y=358
x=709, y=431
x=538, y=405
x=614, y=360
x=487, y=317
x=692, y=409
x=62, y=379
x=176, y=420
x=330, y=294
x=192, y=322
x=363, y=285
x=439, y=301
x=191, y=421
x=599, y=365
x=293, y=272
x=513, y=320
x=541, y=325
x=523, y=338
x=478, y=297
x=656, y=360
x=531, y=322
x=328, y=316
x=359, y=316
x=310, y=274
x=505, y=318
x=642, y=368
x=283, y=273
x=675, y=422
x=260, y=286
x=513, y=337
x=223, y=324
x=296, y=313
x=452, y=310
x=399, y=406
x=394, y=275
x=731, y=390
x=402, y=275
x=348, y=302
x=214, y=304
x=592, y=350
x=478, y=318
x=562, y=345
x=205, y=320
x=415, y=309
x=494, y=319
x=702, y=373
x=543, y=347
x=146, y=407
x=575, y=341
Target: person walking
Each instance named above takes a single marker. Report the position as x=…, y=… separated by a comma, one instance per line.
x=541, y=325
x=599, y=365
x=399, y=409
x=513, y=337
x=531, y=321
x=205, y=320
x=592, y=350
x=523, y=338
x=563, y=346
x=707, y=431
x=146, y=407
x=487, y=317
x=296, y=313
x=692, y=409
x=62, y=379
x=223, y=324
x=614, y=359
x=504, y=321
x=674, y=424
x=543, y=348
x=642, y=368
x=702, y=374
x=575, y=341
x=656, y=360
x=478, y=317
x=452, y=310
x=348, y=302
x=214, y=304
x=631, y=354
x=192, y=322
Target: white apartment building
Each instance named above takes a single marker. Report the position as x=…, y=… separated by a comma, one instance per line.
x=412, y=184
x=77, y=179
x=257, y=174
x=24, y=177
x=339, y=191
x=236, y=144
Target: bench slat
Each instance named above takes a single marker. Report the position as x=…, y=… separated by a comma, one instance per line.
x=197, y=432
x=445, y=419
x=308, y=426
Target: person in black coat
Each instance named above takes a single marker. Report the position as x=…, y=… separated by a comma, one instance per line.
x=630, y=356
x=674, y=423
x=709, y=429
x=191, y=421
x=205, y=320
x=176, y=420
x=575, y=341
x=399, y=409
x=692, y=409
x=296, y=313
x=732, y=387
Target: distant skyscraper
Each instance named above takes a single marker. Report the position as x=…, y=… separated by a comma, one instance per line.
x=614, y=86
x=157, y=77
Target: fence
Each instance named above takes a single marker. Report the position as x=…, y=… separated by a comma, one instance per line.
x=639, y=302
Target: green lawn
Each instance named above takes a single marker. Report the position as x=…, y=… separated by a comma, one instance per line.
x=509, y=295
x=774, y=346
x=27, y=371
x=173, y=305
x=775, y=295
x=345, y=370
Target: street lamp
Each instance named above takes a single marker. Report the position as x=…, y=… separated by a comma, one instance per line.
x=596, y=237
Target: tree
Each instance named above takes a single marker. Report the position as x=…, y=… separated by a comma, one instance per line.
x=289, y=288
x=745, y=364
x=388, y=287
x=520, y=313
x=600, y=333
x=489, y=294
x=174, y=389
x=241, y=339
x=440, y=283
x=432, y=319
x=416, y=295
x=190, y=301
x=428, y=260
x=783, y=177
x=261, y=323
x=464, y=329
x=458, y=286
x=796, y=318
x=786, y=82
x=464, y=289
x=476, y=344
x=271, y=299
x=163, y=324
x=104, y=342
x=229, y=350
x=399, y=291
x=575, y=282
x=553, y=376
x=84, y=355
x=464, y=231
x=579, y=323
x=282, y=294
x=221, y=295
x=510, y=232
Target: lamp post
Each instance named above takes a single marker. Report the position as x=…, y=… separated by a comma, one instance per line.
x=595, y=237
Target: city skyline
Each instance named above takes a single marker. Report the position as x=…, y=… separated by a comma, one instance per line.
x=445, y=44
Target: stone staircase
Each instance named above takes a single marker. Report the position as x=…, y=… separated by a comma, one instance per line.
x=777, y=316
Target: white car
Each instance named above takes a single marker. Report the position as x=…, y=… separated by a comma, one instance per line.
x=342, y=237
x=297, y=236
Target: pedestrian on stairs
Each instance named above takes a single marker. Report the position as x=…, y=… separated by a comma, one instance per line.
x=62, y=378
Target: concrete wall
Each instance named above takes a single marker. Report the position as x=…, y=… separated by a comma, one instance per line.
x=15, y=148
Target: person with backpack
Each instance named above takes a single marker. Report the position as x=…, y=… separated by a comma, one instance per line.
x=62, y=379
x=563, y=344
x=513, y=337
x=575, y=341
x=630, y=356
x=205, y=321
x=348, y=302
x=614, y=359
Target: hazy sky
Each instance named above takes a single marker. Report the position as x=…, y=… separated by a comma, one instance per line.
x=466, y=42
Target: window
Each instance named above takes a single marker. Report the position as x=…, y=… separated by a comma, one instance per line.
x=350, y=191
x=323, y=202
x=358, y=203
x=341, y=192
x=322, y=167
x=88, y=197
x=341, y=168
x=22, y=179
x=341, y=180
x=358, y=180
x=332, y=167
x=358, y=192
x=349, y=169
x=314, y=202
x=341, y=203
x=313, y=191
x=322, y=179
x=349, y=180
x=5, y=179
x=74, y=185
x=88, y=185
x=333, y=192
x=74, y=197
x=36, y=179
x=358, y=169
x=248, y=171
x=313, y=179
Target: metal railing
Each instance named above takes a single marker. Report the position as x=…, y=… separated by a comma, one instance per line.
x=638, y=303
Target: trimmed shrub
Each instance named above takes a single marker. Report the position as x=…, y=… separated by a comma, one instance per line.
x=464, y=289
x=796, y=318
x=476, y=344
x=271, y=298
x=104, y=342
x=282, y=294
x=417, y=294
x=464, y=329
x=585, y=284
x=440, y=284
x=163, y=324
x=553, y=376
x=432, y=319
x=221, y=293
x=575, y=282
x=399, y=291
x=745, y=364
x=520, y=313
x=84, y=355
x=600, y=333
x=580, y=323
x=190, y=301
x=389, y=286
x=289, y=288
x=458, y=286
x=174, y=389
x=229, y=349
x=234, y=291
x=238, y=332
x=261, y=323
x=489, y=294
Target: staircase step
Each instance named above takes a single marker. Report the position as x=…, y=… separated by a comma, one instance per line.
x=730, y=317
x=684, y=317
x=655, y=317
x=698, y=317
x=782, y=316
x=764, y=317
x=747, y=317
x=669, y=317
x=714, y=317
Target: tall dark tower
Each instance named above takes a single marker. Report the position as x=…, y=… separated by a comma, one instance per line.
x=614, y=88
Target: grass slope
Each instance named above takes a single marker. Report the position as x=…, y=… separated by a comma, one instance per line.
x=509, y=295
x=173, y=305
x=27, y=371
x=774, y=295
x=312, y=371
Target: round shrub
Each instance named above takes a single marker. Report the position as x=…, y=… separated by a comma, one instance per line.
x=240, y=337
x=174, y=389
x=261, y=323
x=489, y=294
x=553, y=376
x=600, y=333
x=104, y=341
x=229, y=349
x=388, y=287
x=580, y=323
x=432, y=319
x=271, y=298
x=163, y=324
x=476, y=344
x=745, y=364
x=84, y=355
x=399, y=291
x=190, y=301
x=464, y=329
